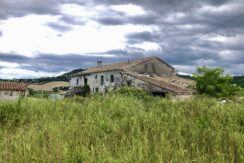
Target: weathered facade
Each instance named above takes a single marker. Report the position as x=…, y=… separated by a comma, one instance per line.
x=12, y=90
x=151, y=74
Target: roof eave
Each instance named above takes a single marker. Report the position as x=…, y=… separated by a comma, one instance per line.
x=88, y=73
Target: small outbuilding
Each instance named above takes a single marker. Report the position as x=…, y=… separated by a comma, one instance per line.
x=12, y=90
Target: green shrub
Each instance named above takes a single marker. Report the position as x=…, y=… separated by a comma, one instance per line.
x=84, y=90
x=212, y=82
x=131, y=92
x=38, y=94
x=55, y=89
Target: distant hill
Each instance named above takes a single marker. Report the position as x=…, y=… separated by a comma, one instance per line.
x=48, y=86
x=65, y=77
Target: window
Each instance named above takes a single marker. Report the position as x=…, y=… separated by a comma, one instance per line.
x=102, y=80
x=85, y=81
x=129, y=82
x=112, y=78
x=95, y=76
x=77, y=81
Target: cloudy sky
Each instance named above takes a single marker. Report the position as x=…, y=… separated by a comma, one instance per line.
x=46, y=38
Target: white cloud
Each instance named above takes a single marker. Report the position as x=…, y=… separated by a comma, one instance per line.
x=218, y=9
x=10, y=73
x=25, y=35
x=185, y=68
x=205, y=62
x=80, y=11
x=148, y=46
x=129, y=9
x=231, y=40
x=230, y=55
x=9, y=65
x=30, y=35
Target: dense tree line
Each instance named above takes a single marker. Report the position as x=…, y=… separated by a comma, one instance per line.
x=239, y=80
x=64, y=77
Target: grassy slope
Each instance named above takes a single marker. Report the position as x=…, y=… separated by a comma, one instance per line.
x=124, y=129
x=48, y=86
x=241, y=92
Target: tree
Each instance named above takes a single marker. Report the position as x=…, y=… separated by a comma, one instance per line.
x=55, y=89
x=212, y=82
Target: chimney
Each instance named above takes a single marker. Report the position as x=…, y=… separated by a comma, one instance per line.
x=99, y=63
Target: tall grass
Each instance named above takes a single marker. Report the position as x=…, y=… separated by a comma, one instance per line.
x=119, y=128
x=241, y=92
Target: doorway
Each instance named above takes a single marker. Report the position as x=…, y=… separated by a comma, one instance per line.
x=85, y=81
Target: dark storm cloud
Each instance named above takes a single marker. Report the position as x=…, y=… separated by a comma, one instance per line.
x=149, y=19
x=59, y=27
x=117, y=18
x=111, y=21
x=141, y=36
x=24, y=7
x=72, y=20
x=160, y=4
x=47, y=62
x=187, y=56
x=111, y=17
x=57, y=63
x=10, y=57
x=12, y=8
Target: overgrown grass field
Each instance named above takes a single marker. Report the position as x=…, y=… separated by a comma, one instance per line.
x=241, y=92
x=121, y=128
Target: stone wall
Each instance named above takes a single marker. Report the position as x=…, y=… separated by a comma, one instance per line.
x=95, y=81
x=119, y=79
x=154, y=66
x=76, y=81
x=12, y=95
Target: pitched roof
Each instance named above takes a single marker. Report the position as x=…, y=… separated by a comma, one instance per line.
x=175, y=80
x=12, y=86
x=118, y=66
x=159, y=83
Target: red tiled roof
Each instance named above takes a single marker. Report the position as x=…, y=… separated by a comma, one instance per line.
x=118, y=66
x=5, y=86
x=159, y=83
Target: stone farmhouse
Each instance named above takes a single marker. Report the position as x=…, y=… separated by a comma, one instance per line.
x=12, y=90
x=151, y=74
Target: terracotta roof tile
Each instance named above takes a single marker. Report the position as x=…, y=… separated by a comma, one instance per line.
x=12, y=86
x=118, y=66
x=159, y=83
x=178, y=81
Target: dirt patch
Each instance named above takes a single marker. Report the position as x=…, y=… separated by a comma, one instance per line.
x=48, y=86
